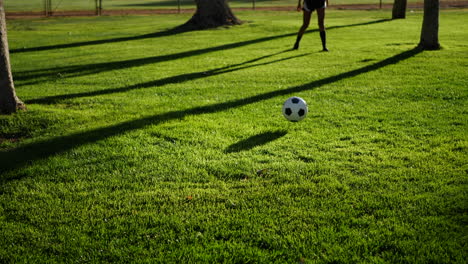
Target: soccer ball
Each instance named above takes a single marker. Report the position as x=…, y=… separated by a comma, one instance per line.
x=295, y=109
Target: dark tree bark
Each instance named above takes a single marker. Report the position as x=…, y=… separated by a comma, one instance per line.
x=430, y=27
x=399, y=9
x=9, y=102
x=211, y=14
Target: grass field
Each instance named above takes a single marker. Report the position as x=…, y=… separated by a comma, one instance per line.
x=61, y=5
x=144, y=146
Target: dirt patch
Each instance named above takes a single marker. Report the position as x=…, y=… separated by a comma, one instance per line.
x=11, y=15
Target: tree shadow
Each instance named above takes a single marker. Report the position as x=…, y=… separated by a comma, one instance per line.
x=169, y=80
x=27, y=154
x=82, y=70
x=176, y=30
x=165, y=33
x=254, y=141
x=88, y=69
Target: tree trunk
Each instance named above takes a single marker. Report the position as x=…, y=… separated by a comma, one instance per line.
x=211, y=14
x=430, y=27
x=9, y=102
x=399, y=9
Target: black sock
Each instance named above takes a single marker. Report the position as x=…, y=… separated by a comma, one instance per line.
x=298, y=39
x=323, y=37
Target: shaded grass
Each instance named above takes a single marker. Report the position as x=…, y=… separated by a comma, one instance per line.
x=173, y=148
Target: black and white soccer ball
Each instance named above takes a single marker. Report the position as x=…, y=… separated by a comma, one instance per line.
x=295, y=109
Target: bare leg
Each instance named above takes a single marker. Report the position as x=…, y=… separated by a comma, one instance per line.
x=305, y=25
x=321, y=25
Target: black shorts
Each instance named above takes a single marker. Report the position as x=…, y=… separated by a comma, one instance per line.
x=311, y=5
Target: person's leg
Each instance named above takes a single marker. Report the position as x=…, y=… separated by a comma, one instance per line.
x=321, y=24
x=305, y=25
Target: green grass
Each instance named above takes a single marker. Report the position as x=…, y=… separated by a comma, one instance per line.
x=60, y=5
x=141, y=147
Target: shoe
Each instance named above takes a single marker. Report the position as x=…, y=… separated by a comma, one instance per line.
x=296, y=46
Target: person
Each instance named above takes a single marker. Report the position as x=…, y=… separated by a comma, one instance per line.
x=307, y=8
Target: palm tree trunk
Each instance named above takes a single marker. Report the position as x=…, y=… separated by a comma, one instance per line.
x=430, y=27
x=9, y=102
x=399, y=9
x=211, y=14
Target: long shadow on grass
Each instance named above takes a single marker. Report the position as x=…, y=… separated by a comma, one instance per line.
x=27, y=154
x=254, y=141
x=165, y=33
x=81, y=70
x=176, y=30
x=169, y=80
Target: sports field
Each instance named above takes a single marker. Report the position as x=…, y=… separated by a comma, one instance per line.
x=144, y=146
x=67, y=5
